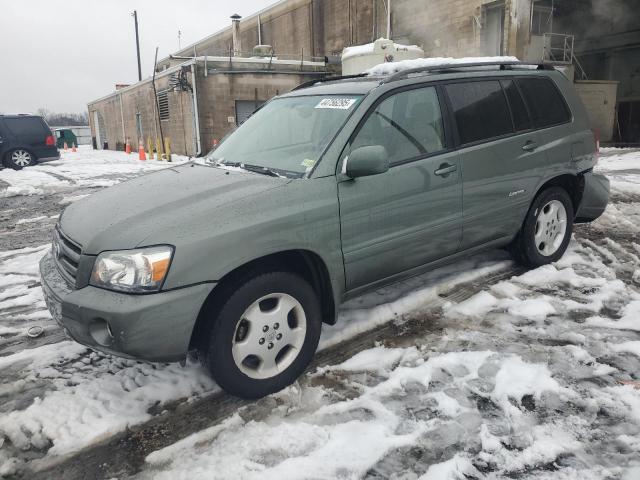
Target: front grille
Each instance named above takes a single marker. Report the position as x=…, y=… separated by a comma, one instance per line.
x=66, y=253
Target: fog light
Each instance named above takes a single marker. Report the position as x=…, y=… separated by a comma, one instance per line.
x=100, y=331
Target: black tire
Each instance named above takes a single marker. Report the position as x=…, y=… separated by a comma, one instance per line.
x=523, y=248
x=218, y=357
x=10, y=162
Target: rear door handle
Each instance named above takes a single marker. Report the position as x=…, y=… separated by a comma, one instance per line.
x=445, y=169
x=530, y=146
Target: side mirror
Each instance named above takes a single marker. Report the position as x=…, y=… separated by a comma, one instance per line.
x=366, y=161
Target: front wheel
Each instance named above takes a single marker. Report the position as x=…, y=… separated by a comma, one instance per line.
x=265, y=335
x=18, y=159
x=546, y=231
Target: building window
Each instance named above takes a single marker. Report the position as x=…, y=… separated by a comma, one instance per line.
x=163, y=104
x=541, y=19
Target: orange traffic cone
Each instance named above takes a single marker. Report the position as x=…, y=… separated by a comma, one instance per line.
x=65, y=146
x=141, y=154
x=127, y=148
x=73, y=147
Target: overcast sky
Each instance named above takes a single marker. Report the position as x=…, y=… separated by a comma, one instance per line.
x=59, y=55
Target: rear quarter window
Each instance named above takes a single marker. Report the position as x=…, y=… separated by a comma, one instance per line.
x=26, y=126
x=480, y=110
x=545, y=102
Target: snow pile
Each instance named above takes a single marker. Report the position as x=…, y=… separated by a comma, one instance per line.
x=93, y=396
x=346, y=438
x=395, y=67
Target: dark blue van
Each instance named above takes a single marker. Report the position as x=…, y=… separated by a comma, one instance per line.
x=26, y=140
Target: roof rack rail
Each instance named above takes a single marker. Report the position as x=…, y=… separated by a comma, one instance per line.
x=452, y=66
x=310, y=83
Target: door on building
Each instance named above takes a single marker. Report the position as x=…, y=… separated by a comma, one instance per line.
x=139, y=129
x=245, y=108
x=101, y=132
x=493, y=29
x=411, y=214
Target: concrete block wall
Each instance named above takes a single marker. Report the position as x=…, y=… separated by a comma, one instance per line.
x=140, y=99
x=320, y=27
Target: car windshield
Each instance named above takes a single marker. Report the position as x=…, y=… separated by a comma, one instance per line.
x=287, y=136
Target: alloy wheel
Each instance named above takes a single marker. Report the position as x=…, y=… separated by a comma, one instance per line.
x=21, y=158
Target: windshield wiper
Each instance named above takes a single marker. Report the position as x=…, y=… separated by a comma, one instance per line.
x=259, y=169
x=251, y=168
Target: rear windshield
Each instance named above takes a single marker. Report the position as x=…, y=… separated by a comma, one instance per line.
x=26, y=126
x=288, y=135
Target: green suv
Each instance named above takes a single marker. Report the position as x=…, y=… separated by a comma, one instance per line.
x=333, y=189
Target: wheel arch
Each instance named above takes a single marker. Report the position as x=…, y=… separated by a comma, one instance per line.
x=573, y=184
x=305, y=263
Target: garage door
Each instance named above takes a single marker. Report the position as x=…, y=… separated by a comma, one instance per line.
x=244, y=109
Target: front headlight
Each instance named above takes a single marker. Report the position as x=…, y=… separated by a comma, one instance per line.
x=133, y=271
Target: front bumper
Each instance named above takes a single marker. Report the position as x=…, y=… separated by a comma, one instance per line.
x=155, y=327
x=595, y=197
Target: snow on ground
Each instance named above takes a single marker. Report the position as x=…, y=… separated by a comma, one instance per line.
x=84, y=168
x=530, y=377
x=516, y=383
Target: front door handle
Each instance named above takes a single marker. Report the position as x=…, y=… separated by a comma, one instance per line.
x=530, y=146
x=445, y=169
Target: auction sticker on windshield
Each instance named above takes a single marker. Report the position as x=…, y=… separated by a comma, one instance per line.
x=339, y=103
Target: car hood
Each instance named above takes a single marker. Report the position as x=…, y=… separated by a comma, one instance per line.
x=123, y=216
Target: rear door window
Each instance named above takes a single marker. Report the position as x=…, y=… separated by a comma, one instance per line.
x=408, y=124
x=480, y=110
x=26, y=126
x=545, y=102
x=521, y=120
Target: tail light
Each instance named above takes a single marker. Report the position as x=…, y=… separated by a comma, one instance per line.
x=596, y=138
x=50, y=141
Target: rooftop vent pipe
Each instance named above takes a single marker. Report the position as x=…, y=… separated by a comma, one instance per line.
x=235, y=35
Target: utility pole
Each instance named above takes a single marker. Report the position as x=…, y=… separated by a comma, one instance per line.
x=135, y=20
x=179, y=35
x=389, y=19
x=155, y=94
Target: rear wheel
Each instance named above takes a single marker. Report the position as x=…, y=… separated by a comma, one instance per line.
x=546, y=231
x=265, y=335
x=18, y=159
